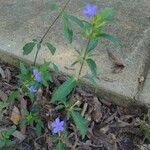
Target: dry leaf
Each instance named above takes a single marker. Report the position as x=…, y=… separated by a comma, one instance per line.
x=2, y=73
x=96, y=114
x=105, y=129
x=15, y=116
x=49, y=142
x=3, y=96
x=23, y=105
x=8, y=74
x=19, y=135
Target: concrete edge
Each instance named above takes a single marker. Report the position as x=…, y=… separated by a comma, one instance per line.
x=102, y=93
x=146, y=43
x=110, y=96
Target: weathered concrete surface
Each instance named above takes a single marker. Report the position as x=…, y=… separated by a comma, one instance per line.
x=21, y=21
x=145, y=95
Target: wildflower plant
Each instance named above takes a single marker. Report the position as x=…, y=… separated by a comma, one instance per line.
x=145, y=126
x=36, y=77
x=31, y=118
x=5, y=137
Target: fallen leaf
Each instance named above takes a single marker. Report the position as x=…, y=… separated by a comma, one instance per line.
x=19, y=135
x=8, y=74
x=108, y=140
x=49, y=142
x=96, y=114
x=105, y=129
x=23, y=104
x=2, y=73
x=15, y=116
x=145, y=147
x=3, y=96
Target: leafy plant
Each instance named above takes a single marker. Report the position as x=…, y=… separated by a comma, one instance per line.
x=5, y=137
x=33, y=119
x=36, y=77
x=3, y=104
x=80, y=122
x=145, y=126
x=64, y=90
x=92, y=31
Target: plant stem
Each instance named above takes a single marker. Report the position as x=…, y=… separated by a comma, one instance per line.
x=83, y=60
x=59, y=15
x=81, y=67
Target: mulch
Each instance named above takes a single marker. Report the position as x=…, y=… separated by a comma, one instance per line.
x=110, y=127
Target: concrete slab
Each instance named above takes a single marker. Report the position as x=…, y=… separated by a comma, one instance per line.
x=21, y=21
x=145, y=95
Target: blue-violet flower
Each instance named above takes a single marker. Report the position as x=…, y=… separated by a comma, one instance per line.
x=37, y=75
x=32, y=89
x=89, y=10
x=57, y=126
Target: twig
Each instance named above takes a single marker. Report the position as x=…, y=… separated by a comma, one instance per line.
x=49, y=29
x=84, y=109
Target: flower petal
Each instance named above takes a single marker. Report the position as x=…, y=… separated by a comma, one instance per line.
x=35, y=71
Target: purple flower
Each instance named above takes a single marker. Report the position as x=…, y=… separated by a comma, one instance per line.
x=89, y=10
x=37, y=75
x=57, y=126
x=32, y=89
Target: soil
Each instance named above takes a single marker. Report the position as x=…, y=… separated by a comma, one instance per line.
x=110, y=127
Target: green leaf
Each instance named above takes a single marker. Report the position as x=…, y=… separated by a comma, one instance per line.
x=67, y=29
x=51, y=48
x=28, y=48
x=88, y=29
x=10, y=131
x=2, y=143
x=35, y=40
x=92, y=65
x=59, y=107
x=32, y=97
x=104, y=15
x=92, y=45
x=112, y=39
x=22, y=123
x=40, y=122
x=68, y=115
x=145, y=128
x=91, y=78
x=13, y=96
x=80, y=123
x=39, y=46
x=23, y=69
x=56, y=70
x=44, y=81
x=3, y=105
x=76, y=20
x=64, y=90
x=38, y=129
x=60, y=146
